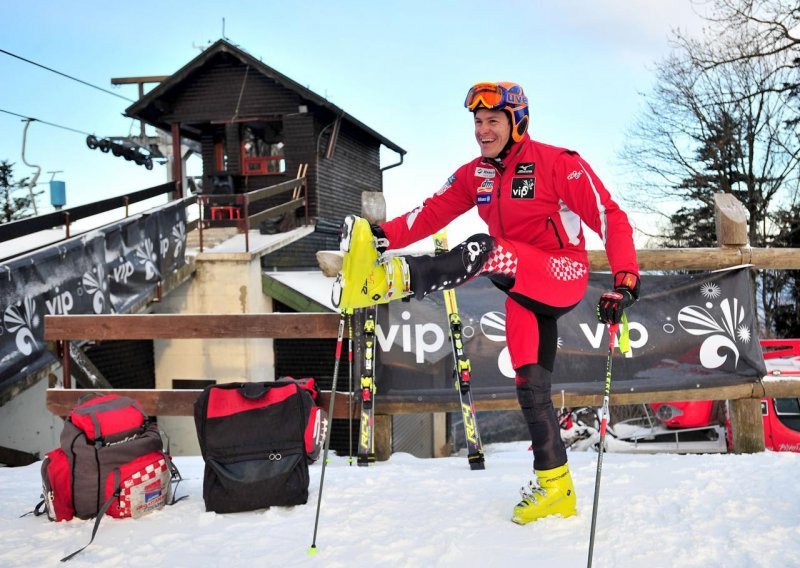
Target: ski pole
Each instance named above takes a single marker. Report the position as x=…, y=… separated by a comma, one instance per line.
x=345, y=316
x=350, y=387
x=612, y=333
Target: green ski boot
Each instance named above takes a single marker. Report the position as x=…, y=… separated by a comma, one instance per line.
x=366, y=278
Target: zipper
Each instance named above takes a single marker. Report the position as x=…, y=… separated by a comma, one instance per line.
x=555, y=230
x=499, y=214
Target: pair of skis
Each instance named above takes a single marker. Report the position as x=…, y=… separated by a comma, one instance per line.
x=462, y=374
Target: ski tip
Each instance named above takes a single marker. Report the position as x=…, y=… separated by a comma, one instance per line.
x=313, y=550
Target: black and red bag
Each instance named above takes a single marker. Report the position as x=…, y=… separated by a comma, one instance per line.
x=257, y=440
x=111, y=461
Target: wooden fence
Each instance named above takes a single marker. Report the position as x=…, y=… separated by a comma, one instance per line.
x=747, y=427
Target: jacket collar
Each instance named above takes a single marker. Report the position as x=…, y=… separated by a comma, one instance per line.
x=510, y=155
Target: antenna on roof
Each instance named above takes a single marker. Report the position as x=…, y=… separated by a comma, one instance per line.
x=223, y=29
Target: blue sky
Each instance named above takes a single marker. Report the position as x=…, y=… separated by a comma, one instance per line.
x=403, y=68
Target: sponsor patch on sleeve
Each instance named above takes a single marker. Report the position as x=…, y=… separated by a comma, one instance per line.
x=484, y=198
x=487, y=173
x=447, y=184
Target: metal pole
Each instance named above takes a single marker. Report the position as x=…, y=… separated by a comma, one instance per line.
x=612, y=332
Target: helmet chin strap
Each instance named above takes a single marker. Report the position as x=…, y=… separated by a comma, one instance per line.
x=506, y=149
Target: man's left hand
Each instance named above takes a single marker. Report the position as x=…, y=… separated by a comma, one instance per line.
x=613, y=304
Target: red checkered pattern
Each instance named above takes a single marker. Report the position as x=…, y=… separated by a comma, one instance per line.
x=150, y=472
x=566, y=269
x=501, y=261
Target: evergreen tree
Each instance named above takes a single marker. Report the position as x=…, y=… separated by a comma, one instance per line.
x=13, y=207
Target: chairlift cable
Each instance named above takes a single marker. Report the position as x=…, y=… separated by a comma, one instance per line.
x=45, y=122
x=67, y=76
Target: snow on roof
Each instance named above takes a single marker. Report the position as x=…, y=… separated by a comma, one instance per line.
x=310, y=283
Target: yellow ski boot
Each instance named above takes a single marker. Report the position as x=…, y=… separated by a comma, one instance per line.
x=553, y=495
x=367, y=279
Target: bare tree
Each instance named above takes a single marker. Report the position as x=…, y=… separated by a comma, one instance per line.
x=717, y=120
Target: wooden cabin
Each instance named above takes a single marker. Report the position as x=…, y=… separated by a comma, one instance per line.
x=257, y=127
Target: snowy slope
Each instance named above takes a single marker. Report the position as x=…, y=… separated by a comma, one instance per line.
x=655, y=510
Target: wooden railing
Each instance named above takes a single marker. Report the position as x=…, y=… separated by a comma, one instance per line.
x=236, y=206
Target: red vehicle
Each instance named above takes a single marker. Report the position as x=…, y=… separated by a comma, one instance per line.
x=781, y=415
x=696, y=426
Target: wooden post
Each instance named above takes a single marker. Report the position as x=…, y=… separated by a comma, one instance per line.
x=383, y=437
x=730, y=218
x=373, y=206
x=177, y=161
x=747, y=427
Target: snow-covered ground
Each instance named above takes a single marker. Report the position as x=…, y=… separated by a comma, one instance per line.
x=655, y=510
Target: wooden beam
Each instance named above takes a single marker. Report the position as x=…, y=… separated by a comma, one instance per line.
x=139, y=80
x=272, y=190
x=180, y=402
x=289, y=206
x=708, y=258
x=191, y=326
x=172, y=402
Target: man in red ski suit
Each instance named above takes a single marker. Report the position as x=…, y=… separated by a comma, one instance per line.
x=533, y=198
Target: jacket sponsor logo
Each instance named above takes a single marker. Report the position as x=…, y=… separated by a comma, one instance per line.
x=484, y=198
x=523, y=188
x=485, y=172
x=411, y=216
x=487, y=186
x=525, y=168
x=574, y=175
x=447, y=184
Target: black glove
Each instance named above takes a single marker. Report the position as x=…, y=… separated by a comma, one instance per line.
x=381, y=242
x=613, y=304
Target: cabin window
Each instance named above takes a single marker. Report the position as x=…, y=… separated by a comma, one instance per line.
x=262, y=149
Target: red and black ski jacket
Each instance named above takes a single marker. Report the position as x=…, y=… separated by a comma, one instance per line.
x=538, y=195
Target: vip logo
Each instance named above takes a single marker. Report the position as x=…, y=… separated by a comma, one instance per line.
x=61, y=303
x=121, y=273
x=427, y=337
x=525, y=168
x=523, y=188
x=485, y=172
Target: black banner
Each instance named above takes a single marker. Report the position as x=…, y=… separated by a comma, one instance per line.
x=686, y=331
x=105, y=271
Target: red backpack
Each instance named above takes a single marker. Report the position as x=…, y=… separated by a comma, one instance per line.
x=111, y=461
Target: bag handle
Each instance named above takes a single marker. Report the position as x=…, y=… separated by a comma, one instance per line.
x=253, y=391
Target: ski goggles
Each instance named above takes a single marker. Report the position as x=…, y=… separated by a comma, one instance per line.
x=493, y=96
